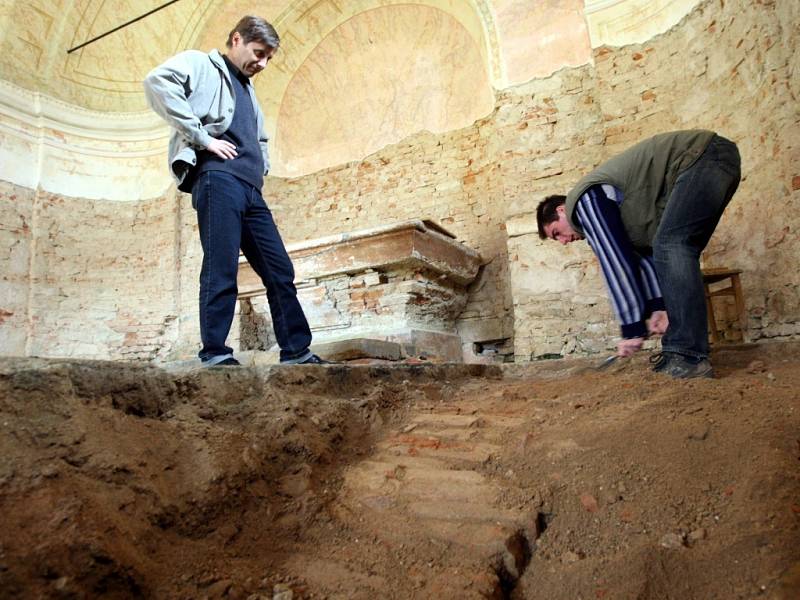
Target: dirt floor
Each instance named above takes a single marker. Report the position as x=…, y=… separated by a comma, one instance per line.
x=548, y=481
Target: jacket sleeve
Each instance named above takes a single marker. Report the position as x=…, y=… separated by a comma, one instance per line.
x=167, y=89
x=263, y=138
x=631, y=279
x=262, y=142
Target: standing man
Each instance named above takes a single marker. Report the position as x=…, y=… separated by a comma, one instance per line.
x=647, y=214
x=218, y=152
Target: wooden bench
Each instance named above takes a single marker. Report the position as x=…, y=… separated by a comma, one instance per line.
x=734, y=288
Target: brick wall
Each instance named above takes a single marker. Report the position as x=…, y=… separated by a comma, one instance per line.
x=731, y=67
x=16, y=208
x=119, y=279
x=450, y=178
x=104, y=278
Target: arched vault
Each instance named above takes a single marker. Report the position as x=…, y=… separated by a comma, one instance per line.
x=334, y=62
x=354, y=76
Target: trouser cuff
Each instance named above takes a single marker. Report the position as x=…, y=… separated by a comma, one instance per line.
x=297, y=359
x=684, y=352
x=215, y=360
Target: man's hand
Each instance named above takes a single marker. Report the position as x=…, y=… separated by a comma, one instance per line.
x=658, y=323
x=628, y=347
x=222, y=148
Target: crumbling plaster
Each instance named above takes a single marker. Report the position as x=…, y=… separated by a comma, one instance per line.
x=732, y=68
x=129, y=284
x=492, y=44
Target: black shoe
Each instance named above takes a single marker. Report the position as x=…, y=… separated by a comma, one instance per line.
x=228, y=362
x=315, y=360
x=678, y=366
x=659, y=361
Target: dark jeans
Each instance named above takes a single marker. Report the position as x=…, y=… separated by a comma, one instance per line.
x=693, y=210
x=232, y=214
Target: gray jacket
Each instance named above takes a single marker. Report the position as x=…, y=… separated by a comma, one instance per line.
x=646, y=174
x=193, y=92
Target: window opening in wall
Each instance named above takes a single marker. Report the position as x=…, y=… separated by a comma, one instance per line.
x=501, y=350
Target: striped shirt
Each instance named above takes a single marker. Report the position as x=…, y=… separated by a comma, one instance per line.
x=630, y=277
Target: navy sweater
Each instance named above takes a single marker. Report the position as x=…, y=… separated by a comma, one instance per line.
x=243, y=133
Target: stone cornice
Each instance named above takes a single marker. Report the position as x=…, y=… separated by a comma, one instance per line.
x=593, y=6
x=42, y=111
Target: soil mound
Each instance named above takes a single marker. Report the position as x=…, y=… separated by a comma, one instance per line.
x=449, y=481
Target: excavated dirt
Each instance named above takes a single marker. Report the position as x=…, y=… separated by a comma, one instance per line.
x=549, y=481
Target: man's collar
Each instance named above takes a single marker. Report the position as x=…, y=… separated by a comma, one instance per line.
x=216, y=57
x=234, y=70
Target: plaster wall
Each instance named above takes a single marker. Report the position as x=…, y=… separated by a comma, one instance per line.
x=349, y=79
x=16, y=227
x=89, y=277
x=104, y=76
x=615, y=23
x=731, y=68
x=382, y=75
x=537, y=42
x=65, y=149
x=340, y=67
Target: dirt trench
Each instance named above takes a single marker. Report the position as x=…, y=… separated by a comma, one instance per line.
x=428, y=481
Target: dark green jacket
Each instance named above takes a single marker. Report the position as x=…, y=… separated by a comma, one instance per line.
x=645, y=173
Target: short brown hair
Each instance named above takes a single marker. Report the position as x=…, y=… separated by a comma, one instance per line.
x=546, y=212
x=255, y=29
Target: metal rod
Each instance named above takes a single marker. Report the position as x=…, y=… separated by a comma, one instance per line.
x=139, y=18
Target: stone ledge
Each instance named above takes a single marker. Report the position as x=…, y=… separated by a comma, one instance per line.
x=414, y=244
x=359, y=348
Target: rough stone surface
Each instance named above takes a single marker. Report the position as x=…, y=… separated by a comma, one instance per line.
x=531, y=481
x=383, y=283
x=359, y=348
x=675, y=81
x=729, y=67
x=17, y=208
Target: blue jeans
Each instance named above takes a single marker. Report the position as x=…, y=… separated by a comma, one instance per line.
x=693, y=210
x=231, y=214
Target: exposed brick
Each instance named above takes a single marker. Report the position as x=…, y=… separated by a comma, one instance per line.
x=542, y=136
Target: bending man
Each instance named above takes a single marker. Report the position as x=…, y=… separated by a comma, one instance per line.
x=218, y=152
x=647, y=214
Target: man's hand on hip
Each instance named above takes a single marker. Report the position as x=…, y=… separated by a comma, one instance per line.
x=628, y=347
x=222, y=148
x=658, y=323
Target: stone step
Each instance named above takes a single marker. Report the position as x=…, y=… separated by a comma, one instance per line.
x=411, y=445
x=396, y=459
x=406, y=484
x=482, y=421
x=498, y=435
x=483, y=539
x=414, y=491
x=330, y=574
x=447, y=420
x=482, y=532
x=463, y=512
x=508, y=415
x=414, y=471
